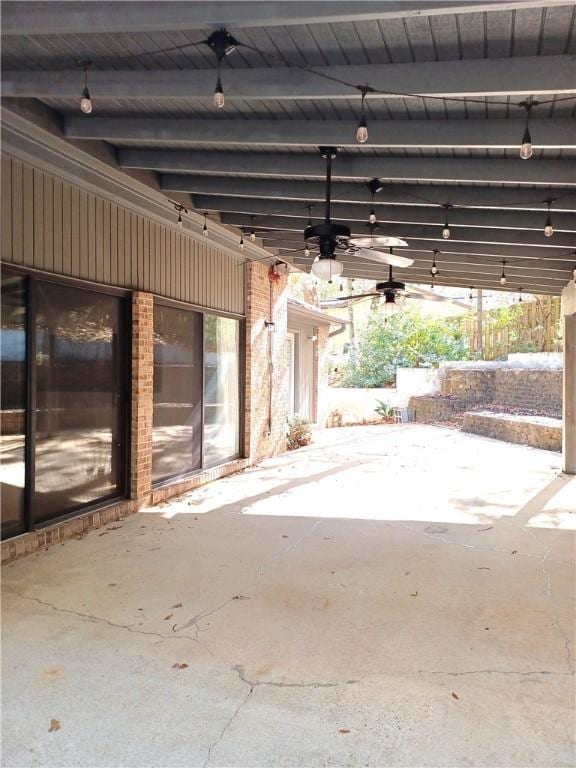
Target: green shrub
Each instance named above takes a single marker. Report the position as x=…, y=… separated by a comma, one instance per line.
x=298, y=433
x=384, y=410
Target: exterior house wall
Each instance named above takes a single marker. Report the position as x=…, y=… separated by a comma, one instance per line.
x=305, y=362
x=53, y=225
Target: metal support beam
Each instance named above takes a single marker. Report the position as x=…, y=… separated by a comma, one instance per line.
x=406, y=169
x=559, y=241
x=552, y=133
x=89, y=17
x=391, y=194
x=523, y=76
x=293, y=241
x=563, y=222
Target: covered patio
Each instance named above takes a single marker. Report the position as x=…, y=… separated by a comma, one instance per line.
x=319, y=609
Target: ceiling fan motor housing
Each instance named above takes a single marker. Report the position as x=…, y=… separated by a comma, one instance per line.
x=326, y=236
x=390, y=286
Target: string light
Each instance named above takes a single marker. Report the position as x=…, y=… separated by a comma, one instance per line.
x=374, y=185
x=520, y=295
x=548, y=228
x=471, y=295
x=362, y=128
x=86, y=101
x=434, y=268
x=503, y=279
x=219, y=100
x=221, y=43
x=252, y=233
x=446, y=230
x=181, y=209
x=205, y=227
x=306, y=251
x=241, y=243
x=526, y=151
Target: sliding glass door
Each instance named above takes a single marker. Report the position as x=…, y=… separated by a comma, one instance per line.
x=64, y=365
x=13, y=404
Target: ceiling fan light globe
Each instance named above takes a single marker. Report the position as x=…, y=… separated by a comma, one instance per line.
x=327, y=268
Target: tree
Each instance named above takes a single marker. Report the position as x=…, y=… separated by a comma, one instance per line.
x=409, y=339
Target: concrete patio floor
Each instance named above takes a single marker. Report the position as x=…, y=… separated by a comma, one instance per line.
x=390, y=596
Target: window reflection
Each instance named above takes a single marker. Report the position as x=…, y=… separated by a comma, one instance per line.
x=13, y=404
x=79, y=429
x=221, y=388
x=176, y=441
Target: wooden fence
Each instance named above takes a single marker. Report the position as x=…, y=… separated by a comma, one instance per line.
x=532, y=326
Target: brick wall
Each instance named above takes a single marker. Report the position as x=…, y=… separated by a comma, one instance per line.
x=529, y=389
x=142, y=394
x=471, y=386
x=266, y=361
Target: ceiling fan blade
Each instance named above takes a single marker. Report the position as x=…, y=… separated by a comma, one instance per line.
x=338, y=299
x=431, y=296
x=384, y=258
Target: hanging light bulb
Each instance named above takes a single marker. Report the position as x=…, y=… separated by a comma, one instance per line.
x=205, y=227
x=327, y=268
x=434, y=268
x=180, y=218
x=362, y=128
x=471, y=295
x=252, y=233
x=241, y=243
x=86, y=101
x=446, y=230
x=372, y=217
x=503, y=279
x=306, y=251
x=526, y=151
x=391, y=306
x=219, y=100
x=341, y=287
x=548, y=228
x=178, y=207
x=520, y=295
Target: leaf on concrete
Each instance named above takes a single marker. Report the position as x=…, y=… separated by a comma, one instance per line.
x=455, y=696
x=54, y=725
x=180, y=666
x=343, y=730
x=240, y=597
x=178, y=605
x=168, y=617
x=414, y=594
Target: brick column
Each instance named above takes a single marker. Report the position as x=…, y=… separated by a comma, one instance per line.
x=266, y=364
x=142, y=393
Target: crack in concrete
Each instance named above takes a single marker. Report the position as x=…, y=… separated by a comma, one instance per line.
x=233, y=717
x=289, y=547
x=495, y=672
x=239, y=669
x=101, y=620
x=193, y=622
x=556, y=622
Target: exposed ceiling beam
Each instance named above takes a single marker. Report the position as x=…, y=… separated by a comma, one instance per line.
x=89, y=17
x=529, y=75
x=388, y=213
x=559, y=241
x=543, y=171
x=552, y=133
x=391, y=194
x=293, y=241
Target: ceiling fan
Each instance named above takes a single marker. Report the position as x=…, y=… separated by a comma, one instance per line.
x=329, y=237
x=394, y=293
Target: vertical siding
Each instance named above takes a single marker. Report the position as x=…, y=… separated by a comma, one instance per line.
x=55, y=226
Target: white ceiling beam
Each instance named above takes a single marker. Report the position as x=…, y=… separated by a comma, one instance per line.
x=481, y=170
x=536, y=75
x=89, y=17
x=553, y=133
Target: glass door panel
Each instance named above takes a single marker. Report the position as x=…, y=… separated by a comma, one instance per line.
x=13, y=404
x=177, y=433
x=79, y=441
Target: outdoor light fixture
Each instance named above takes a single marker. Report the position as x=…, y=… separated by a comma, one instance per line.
x=306, y=251
x=471, y=295
x=520, y=295
x=362, y=128
x=446, y=230
x=503, y=279
x=221, y=43
x=205, y=227
x=86, y=101
x=252, y=233
x=270, y=324
x=434, y=268
x=548, y=228
x=241, y=243
x=526, y=151
x=390, y=305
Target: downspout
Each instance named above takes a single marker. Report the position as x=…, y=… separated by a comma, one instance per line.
x=338, y=331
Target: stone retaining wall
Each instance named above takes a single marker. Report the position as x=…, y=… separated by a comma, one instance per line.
x=539, y=391
x=538, y=432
